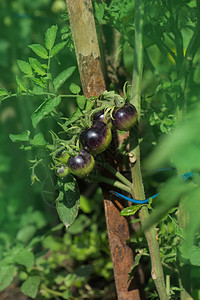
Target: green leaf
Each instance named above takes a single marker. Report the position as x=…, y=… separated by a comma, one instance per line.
x=130, y=211
x=62, y=77
x=99, y=11
x=44, y=110
x=74, y=88
x=67, y=203
x=26, y=233
x=3, y=92
x=30, y=286
x=25, y=258
x=50, y=36
x=6, y=276
x=21, y=85
x=39, y=81
x=38, y=140
x=137, y=260
x=74, y=117
x=57, y=48
x=37, y=66
x=39, y=50
x=81, y=101
x=22, y=137
x=38, y=90
x=25, y=67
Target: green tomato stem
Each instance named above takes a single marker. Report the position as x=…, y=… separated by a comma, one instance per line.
x=138, y=187
x=113, y=182
x=116, y=173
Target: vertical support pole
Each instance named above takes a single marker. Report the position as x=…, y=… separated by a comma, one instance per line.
x=88, y=56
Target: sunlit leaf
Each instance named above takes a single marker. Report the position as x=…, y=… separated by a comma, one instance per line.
x=62, y=77
x=22, y=137
x=39, y=50
x=6, y=276
x=25, y=258
x=25, y=67
x=30, y=286
x=44, y=110
x=37, y=66
x=57, y=48
x=67, y=203
x=50, y=36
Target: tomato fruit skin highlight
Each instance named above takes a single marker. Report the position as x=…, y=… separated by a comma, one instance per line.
x=97, y=138
x=125, y=117
x=62, y=171
x=82, y=164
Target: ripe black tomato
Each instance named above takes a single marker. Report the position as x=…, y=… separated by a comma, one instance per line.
x=97, y=138
x=82, y=164
x=125, y=117
x=100, y=116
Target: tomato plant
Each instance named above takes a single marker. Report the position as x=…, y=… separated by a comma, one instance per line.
x=67, y=131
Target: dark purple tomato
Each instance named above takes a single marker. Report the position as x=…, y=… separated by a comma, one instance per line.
x=62, y=171
x=97, y=138
x=82, y=164
x=100, y=116
x=125, y=117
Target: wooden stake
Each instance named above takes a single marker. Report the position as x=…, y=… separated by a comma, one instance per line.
x=93, y=83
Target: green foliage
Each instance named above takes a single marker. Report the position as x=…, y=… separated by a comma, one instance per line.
x=61, y=264
x=67, y=203
x=30, y=286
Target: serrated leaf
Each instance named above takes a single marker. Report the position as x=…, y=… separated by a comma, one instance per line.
x=6, y=276
x=62, y=77
x=99, y=11
x=57, y=48
x=3, y=92
x=136, y=260
x=130, y=211
x=21, y=85
x=44, y=109
x=74, y=117
x=30, y=286
x=38, y=90
x=38, y=81
x=39, y=50
x=50, y=36
x=38, y=140
x=22, y=137
x=67, y=203
x=25, y=67
x=37, y=66
x=25, y=258
x=74, y=88
x=81, y=101
x=194, y=256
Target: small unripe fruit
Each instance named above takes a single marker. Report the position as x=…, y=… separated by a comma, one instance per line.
x=62, y=171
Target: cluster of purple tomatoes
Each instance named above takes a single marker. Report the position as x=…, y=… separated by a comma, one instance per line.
x=96, y=139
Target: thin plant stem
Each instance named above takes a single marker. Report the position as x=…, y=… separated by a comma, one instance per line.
x=112, y=182
x=116, y=173
x=138, y=188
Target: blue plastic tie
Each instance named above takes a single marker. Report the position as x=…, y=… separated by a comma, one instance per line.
x=133, y=200
x=185, y=176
